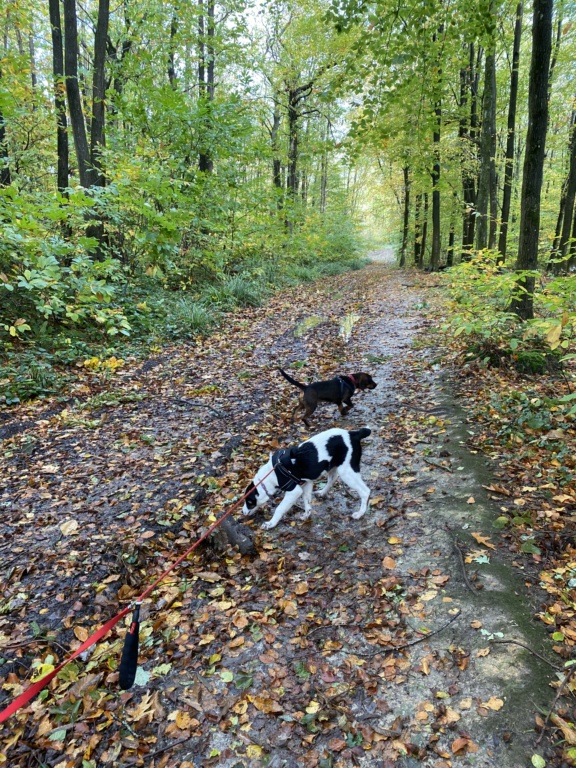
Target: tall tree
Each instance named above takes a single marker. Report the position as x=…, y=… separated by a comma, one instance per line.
x=73, y=93
x=485, y=203
x=436, y=237
x=510, y=137
x=5, y=177
x=406, y=218
x=59, y=96
x=206, y=85
x=569, y=196
x=523, y=303
x=97, y=141
x=467, y=131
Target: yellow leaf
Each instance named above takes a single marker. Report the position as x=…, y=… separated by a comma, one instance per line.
x=183, y=720
x=69, y=528
x=389, y=562
x=313, y=707
x=81, y=633
x=554, y=334
x=41, y=670
x=301, y=588
x=493, y=703
x=483, y=651
x=265, y=704
x=254, y=751
x=483, y=540
x=289, y=607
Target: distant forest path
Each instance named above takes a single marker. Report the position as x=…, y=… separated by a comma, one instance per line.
x=387, y=254
x=343, y=642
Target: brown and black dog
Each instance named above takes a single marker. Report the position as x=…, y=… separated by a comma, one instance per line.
x=338, y=390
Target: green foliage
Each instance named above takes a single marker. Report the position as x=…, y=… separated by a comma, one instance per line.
x=27, y=374
x=481, y=291
x=46, y=281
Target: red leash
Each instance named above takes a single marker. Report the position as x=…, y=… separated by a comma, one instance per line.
x=36, y=687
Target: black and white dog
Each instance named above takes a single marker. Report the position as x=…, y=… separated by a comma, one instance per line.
x=331, y=454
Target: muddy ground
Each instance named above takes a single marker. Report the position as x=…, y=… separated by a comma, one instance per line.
x=370, y=642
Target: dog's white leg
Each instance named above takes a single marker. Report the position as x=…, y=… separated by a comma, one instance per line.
x=354, y=481
x=332, y=475
x=307, y=499
x=287, y=503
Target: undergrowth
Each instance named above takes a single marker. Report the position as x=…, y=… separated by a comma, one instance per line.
x=41, y=365
x=481, y=291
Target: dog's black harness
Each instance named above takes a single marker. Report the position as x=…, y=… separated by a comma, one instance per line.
x=345, y=382
x=283, y=466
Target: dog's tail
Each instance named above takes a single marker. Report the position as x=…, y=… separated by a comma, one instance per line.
x=360, y=434
x=291, y=380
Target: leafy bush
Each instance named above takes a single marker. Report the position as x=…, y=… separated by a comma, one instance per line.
x=27, y=374
x=47, y=281
x=481, y=293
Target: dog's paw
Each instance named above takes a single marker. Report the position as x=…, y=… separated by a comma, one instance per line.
x=304, y=516
x=358, y=515
x=267, y=526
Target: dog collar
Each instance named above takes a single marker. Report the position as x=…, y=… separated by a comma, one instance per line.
x=266, y=491
x=352, y=379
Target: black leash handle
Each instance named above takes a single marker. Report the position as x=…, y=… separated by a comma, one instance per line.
x=129, y=660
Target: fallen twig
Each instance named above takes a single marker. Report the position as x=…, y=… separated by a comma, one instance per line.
x=463, y=564
x=567, y=676
x=438, y=466
x=197, y=405
x=527, y=648
x=166, y=748
x=389, y=649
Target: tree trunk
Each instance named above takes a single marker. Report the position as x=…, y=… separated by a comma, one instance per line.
x=73, y=92
x=5, y=177
x=97, y=137
x=523, y=303
x=406, y=171
x=485, y=204
x=424, y=230
x=572, y=255
x=201, y=52
x=59, y=96
x=33, y=74
x=206, y=83
x=568, y=203
x=324, y=171
x=171, y=49
x=292, y=170
x=276, y=162
x=210, y=51
x=467, y=133
x=510, y=136
x=452, y=231
x=436, y=236
x=558, y=230
x=418, y=231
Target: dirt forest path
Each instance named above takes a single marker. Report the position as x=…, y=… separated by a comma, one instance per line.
x=380, y=642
